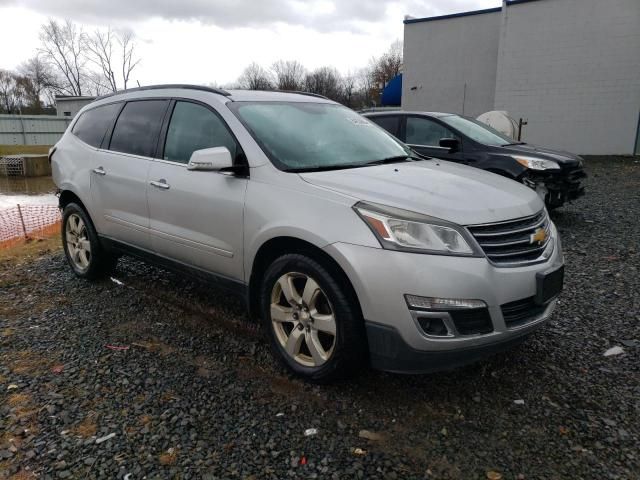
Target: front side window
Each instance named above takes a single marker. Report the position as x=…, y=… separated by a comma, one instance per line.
x=194, y=127
x=422, y=131
x=93, y=124
x=477, y=131
x=300, y=136
x=138, y=126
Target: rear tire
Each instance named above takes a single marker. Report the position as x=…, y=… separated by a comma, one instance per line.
x=81, y=245
x=313, y=322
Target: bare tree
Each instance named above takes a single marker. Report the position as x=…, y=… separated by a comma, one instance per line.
x=129, y=61
x=111, y=66
x=254, y=77
x=7, y=87
x=13, y=92
x=324, y=81
x=42, y=83
x=288, y=75
x=63, y=48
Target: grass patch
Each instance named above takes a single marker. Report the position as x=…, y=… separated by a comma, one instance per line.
x=18, y=399
x=87, y=428
x=29, y=250
x=170, y=457
x=23, y=475
x=17, y=149
x=26, y=362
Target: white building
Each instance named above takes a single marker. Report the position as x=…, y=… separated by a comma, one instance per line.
x=68, y=106
x=571, y=68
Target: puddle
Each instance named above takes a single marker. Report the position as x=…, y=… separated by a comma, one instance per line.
x=26, y=191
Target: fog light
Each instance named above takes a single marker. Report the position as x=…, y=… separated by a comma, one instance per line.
x=433, y=326
x=439, y=304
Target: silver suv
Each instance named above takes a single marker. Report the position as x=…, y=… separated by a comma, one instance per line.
x=351, y=250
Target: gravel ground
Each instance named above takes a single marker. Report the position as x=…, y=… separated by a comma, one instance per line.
x=196, y=394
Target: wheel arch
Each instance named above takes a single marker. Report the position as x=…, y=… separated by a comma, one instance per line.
x=282, y=245
x=69, y=196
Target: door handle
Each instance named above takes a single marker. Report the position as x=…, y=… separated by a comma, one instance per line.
x=99, y=171
x=162, y=183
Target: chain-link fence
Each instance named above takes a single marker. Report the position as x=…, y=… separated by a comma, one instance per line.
x=28, y=221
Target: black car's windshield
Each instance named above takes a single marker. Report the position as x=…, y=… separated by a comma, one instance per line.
x=477, y=131
x=317, y=136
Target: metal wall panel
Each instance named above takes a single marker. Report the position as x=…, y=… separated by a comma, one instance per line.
x=31, y=129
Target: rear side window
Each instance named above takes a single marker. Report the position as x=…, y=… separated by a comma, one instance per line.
x=93, y=124
x=194, y=127
x=389, y=123
x=138, y=126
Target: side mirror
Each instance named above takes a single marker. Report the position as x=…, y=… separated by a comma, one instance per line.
x=210, y=159
x=453, y=144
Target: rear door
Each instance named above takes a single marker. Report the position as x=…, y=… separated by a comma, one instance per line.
x=119, y=180
x=424, y=134
x=196, y=217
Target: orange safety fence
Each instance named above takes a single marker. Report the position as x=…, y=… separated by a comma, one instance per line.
x=24, y=222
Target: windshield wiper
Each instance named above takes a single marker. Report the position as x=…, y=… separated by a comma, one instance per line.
x=344, y=166
x=324, y=168
x=395, y=159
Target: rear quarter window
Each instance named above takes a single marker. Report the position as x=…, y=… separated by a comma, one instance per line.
x=93, y=124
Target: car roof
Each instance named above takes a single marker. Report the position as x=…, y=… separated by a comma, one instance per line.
x=377, y=113
x=173, y=90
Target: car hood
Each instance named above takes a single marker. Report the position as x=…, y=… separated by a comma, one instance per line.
x=445, y=190
x=566, y=159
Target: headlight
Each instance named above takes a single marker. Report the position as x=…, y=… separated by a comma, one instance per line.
x=398, y=229
x=536, y=163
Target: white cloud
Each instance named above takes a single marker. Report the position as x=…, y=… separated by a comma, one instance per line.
x=203, y=41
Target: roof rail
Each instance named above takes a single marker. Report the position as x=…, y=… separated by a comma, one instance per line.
x=309, y=94
x=219, y=91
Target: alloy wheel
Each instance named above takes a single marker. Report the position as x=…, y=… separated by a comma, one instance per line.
x=78, y=244
x=303, y=319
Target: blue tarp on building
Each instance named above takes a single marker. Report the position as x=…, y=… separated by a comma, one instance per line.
x=392, y=93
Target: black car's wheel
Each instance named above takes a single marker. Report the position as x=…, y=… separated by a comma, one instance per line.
x=314, y=325
x=80, y=241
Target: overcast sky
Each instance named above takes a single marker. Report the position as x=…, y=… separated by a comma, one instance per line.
x=211, y=41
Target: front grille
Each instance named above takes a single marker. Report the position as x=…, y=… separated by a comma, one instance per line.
x=511, y=243
x=472, y=321
x=521, y=311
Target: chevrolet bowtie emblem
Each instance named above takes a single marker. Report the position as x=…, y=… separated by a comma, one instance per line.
x=539, y=236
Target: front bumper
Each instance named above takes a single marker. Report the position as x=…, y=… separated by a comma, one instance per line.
x=557, y=187
x=381, y=278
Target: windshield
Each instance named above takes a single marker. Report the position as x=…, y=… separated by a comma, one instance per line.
x=478, y=131
x=317, y=136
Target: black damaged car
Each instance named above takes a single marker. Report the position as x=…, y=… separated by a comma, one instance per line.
x=555, y=175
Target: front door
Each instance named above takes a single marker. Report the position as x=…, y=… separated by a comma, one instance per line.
x=424, y=135
x=196, y=217
x=119, y=178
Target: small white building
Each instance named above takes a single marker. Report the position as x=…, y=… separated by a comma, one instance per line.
x=570, y=68
x=68, y=106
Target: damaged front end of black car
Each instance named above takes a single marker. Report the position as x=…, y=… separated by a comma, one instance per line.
x=556, y=182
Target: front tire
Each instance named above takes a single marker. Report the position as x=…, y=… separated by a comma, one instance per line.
x=313, y=322
x=82, y=248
